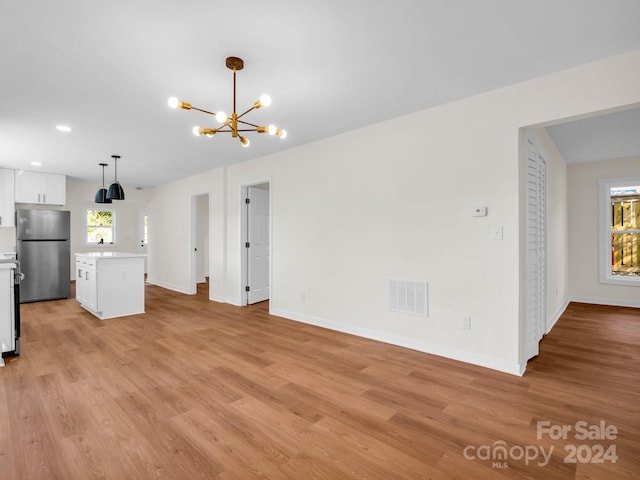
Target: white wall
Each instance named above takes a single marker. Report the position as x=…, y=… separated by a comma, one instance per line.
x=169, y=233
x=7, y=239
x=584, y=232
x=394, y=200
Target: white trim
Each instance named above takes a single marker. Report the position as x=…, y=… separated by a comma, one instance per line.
x=556, y=316
x=604, y=222
x=170, y=286
x=447, y=352
x=222, y=299
x=608, y=301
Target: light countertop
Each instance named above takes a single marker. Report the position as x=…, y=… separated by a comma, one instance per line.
x=7, y=261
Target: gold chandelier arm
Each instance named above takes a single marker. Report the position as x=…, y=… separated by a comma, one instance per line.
x=203, y=111
x=247, y=123
x=244, y=113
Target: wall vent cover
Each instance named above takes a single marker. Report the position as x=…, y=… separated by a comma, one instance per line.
x=406, y=296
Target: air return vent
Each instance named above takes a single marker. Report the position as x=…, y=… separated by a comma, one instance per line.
x=406, y=296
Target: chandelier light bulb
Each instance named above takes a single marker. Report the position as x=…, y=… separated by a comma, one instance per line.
x=272, y=129
x=221, y=117
x=197, y=131
x=265, y=100
x=173, y=102
x=282, y=134
x=245, y=141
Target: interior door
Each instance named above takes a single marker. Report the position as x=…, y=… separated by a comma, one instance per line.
x=143, y=235
x=257, y=244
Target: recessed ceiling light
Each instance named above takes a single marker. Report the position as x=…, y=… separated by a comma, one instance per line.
x=63, y=128
x=36, y=164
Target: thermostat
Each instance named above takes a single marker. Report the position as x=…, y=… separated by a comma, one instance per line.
x=479, y=212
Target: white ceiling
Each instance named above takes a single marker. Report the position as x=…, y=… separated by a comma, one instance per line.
x=602, y=137
x=107, y=68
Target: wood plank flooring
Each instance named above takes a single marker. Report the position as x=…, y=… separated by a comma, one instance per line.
x=199, y=390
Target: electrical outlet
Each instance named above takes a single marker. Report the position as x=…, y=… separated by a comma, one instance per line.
x=466, y=322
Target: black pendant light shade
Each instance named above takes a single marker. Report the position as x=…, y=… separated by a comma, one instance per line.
x=115, y=192
x=101, y=194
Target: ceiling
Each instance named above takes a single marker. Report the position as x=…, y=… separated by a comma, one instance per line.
x=601, y=137
x=106, y=69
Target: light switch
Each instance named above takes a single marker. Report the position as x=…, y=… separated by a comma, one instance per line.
x=496, y=232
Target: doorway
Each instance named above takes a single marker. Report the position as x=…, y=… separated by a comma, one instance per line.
x=256, y=239
x=199, y=241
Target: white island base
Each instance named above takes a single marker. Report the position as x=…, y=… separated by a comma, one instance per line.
x=110, y=284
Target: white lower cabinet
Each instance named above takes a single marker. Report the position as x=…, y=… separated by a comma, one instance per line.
x=110, y=284
x=86, y=285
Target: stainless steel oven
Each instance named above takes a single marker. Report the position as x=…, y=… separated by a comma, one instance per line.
x=10, y=277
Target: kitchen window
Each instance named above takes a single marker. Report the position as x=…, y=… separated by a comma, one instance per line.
x=620, y=231
x=100, y=226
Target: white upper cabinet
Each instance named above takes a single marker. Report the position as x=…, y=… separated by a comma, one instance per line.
x=42, y=188
x=7, y=204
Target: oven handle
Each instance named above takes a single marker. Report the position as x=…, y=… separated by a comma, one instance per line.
x=18, y=277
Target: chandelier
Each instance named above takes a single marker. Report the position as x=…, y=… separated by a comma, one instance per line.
x=234, y=125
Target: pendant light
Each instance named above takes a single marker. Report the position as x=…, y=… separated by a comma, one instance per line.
x=116, y=192
x=101, y=195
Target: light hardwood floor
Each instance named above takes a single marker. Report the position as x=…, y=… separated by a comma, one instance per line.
x=200, y=390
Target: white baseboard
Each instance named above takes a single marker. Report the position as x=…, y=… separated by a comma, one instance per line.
x=169, y=286
x=608, y=301
x=221, y=299
x=557, y=316
x=442, y=351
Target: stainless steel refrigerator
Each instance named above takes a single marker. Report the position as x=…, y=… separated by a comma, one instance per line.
x=44, y=254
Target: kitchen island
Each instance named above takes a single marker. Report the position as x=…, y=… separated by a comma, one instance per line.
x=110, y=284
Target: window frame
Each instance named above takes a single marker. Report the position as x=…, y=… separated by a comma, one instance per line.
x=606, y=277
x=114, y=216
